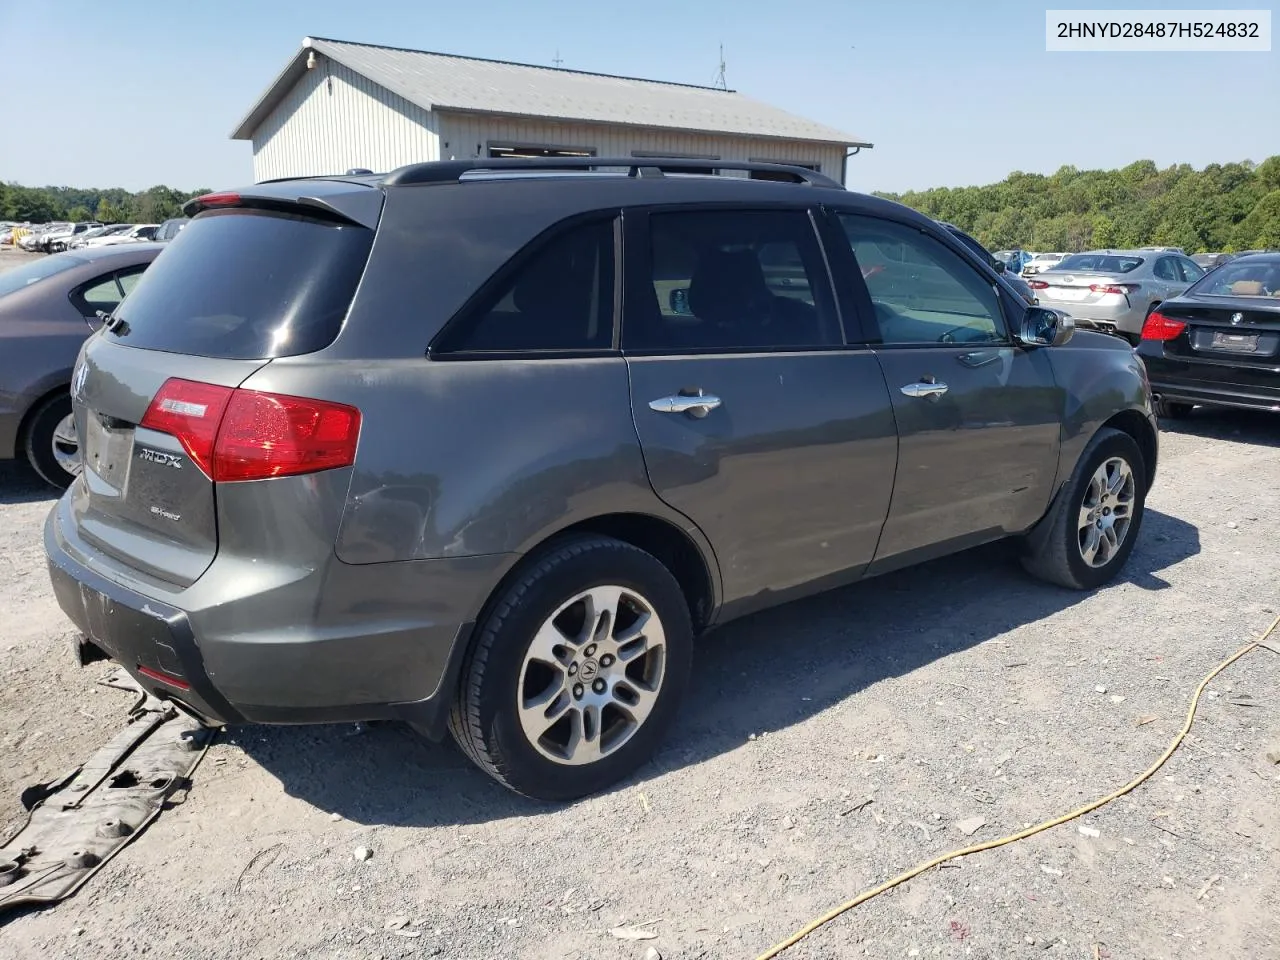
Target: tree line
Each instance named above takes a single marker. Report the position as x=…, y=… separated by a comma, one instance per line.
x=114, y=205
x=1222, y=208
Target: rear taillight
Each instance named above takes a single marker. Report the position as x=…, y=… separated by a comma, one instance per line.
x=190, y=412
x=267, y=435
x=1121, y=288
x=249, y=435
x=1160, y=327
x=218, y=200
x=1037, y=285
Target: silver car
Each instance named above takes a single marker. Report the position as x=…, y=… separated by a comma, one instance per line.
x=1115, y=290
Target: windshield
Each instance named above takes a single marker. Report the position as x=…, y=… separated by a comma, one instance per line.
x=1100, y=263
x=22, y=277
x=247, y=285
x=1258, y=279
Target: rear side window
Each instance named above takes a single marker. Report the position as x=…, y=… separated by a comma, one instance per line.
x=557, y=297
x=729, y=280
x=1167, y=269
x=247, y=285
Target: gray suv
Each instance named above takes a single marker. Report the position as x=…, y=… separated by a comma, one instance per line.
x=484, y=445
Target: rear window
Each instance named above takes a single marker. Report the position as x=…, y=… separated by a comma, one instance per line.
x=1100, y=263
x=247, y=285
x=22, y=277
x=1258, y=279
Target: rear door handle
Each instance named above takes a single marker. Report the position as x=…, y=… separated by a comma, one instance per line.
x=696, y=406
x=926, y=390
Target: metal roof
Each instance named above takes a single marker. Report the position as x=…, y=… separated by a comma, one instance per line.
x=441, y=81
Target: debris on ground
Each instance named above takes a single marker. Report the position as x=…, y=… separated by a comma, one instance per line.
x=971, y=825
x=634, y=933
x=363, y=853
x=1208, y=886
x=1089, y=832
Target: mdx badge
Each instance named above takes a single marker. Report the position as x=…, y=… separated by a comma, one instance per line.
x=160, y=457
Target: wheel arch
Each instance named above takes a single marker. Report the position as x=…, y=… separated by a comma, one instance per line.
x=1138, y=426
x=28, y=415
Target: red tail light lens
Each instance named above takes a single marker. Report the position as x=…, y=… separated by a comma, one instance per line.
x=266, y=435
x=1037, y=285
x=249, y=435
x=190, y=412
x=1123, y=288
x=218, y=200
x=1160, y=327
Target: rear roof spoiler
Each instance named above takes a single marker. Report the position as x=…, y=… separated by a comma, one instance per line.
x=358, y=203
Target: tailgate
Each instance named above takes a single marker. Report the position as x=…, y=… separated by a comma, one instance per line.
x=141, y=499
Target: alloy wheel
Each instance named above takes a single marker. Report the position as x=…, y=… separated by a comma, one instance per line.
x=1106, y=511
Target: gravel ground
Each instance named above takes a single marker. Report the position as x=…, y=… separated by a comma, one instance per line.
x=960, y=689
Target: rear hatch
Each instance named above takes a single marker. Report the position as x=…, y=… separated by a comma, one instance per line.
x=160, y=419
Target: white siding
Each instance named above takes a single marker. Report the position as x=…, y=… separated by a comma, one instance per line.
x=463, y=136
x=335, y=119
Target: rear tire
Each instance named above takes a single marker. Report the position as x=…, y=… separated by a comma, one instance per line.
x=1172, y=410
x=51, y=444
x=1087, y=543
x=594, y=634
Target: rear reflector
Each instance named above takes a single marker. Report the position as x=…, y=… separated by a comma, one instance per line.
x=1037, y=285
x=233, y=434
x=1160, y=327
x=164, y=678
x=1122, y=288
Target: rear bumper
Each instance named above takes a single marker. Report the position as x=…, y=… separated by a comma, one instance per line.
x=1121, y=318
x=1217, y=394
x=227, y=662
x=1211, y=381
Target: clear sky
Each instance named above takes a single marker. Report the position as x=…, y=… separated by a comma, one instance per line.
x=131, y=93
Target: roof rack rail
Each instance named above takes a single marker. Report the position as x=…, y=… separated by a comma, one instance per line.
x=451, y=171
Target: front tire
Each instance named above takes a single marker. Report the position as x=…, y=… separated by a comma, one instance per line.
x=577, y=670
x=1094, y=528
x=52, y=446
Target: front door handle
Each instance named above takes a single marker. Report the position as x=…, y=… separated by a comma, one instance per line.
x=698, y=405
x=926, y=390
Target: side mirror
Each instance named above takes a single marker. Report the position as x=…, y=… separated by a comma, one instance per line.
x=1042, y=327
x=999, y=266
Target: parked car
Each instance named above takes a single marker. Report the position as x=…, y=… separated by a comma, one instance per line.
x=1219, y=343
x=1041, y=262
x=994, y=262
x=47, y=309
x=87, y=236
x=1115, y=289
x=33, y=240
x=135, y=233
x=1208, y=261
x=169, y=229
x=432, y=478
x=1014, y=260
x=55, y=241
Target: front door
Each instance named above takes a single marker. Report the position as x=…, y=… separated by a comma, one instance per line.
x=755, y=421
x=978, y=415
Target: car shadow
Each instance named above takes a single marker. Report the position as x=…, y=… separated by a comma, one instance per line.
x=759, y=674
x=1220, y=423
x=20, y=484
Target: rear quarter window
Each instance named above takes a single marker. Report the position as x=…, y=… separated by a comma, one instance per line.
x=247, y=285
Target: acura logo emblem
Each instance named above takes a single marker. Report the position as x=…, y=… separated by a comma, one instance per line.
x=1237, y=318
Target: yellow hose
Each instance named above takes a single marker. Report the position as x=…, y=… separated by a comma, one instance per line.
x=866, y=895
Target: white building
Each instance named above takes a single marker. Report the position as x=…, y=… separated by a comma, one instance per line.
x=339, y=105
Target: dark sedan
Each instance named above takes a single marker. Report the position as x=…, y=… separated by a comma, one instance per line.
x=47, y=308
x=1219, y=342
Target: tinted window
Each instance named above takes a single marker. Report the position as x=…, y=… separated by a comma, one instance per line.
x=21, y=277
x=921, y=291
x=1166, y=269
x=101, y=294
x=1191, y=271
x=731, y=280
x=247, y=285
x=557, y=296
x=1100, y=263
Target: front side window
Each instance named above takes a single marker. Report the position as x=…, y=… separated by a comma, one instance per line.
x=732, y=280
x=1191, y=271
x=559, y=297
x=921, y=291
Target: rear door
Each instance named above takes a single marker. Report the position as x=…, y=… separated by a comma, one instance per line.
x=756, y=422
x=235, y=289
x=978, y=416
